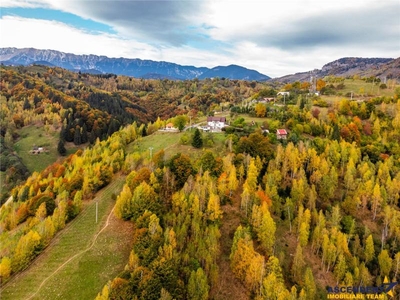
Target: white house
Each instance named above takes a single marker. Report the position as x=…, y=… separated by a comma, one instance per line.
x=284, y=93
x=267, y=100
x=216, y=122
x=204, y=128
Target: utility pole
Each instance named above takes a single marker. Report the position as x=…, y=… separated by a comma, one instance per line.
x=151, y=156
x=97, y=209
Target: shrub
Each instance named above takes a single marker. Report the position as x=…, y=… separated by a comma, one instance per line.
x=185, y=139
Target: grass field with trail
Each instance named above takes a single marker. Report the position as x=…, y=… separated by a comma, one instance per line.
x=77, y=264
x=74, y=266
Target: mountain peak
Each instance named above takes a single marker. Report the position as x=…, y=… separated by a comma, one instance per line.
x=124, y=66
x=350, y=66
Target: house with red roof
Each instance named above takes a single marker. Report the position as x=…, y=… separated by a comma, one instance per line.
x=281, y=134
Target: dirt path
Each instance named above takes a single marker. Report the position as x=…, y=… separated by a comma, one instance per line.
x=61, y=266
x=228, y=286
x=73, y=257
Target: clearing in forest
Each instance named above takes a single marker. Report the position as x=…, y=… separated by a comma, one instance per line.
x=228, y=286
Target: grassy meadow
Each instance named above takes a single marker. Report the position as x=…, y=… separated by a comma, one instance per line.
x=361, y=88
x=172, y=144
x=82, y=258
x=31, y=136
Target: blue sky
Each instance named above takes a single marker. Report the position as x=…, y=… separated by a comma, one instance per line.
x=275, y=38
x=64, y=17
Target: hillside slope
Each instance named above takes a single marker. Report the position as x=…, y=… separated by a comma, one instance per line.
x=349, y=66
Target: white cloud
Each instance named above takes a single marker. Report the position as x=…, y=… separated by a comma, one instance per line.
x=23, y=3
x=275, y=37
x=154, y=21
x=42, y=34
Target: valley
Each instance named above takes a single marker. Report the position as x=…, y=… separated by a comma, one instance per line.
x=188, y=213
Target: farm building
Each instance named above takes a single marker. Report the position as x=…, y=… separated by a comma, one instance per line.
x=216, y=122
x=281, y=134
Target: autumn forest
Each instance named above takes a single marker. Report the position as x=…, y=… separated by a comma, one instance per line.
x=236, y=214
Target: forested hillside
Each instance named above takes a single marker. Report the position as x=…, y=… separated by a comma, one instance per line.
x=315, y=213
x=237, y=214
x=79, y=108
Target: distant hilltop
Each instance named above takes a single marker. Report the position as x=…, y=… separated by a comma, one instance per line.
x=349, y=66
x=123, y=66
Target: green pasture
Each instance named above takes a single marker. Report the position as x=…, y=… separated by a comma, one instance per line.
x=76, y=265
x=171, y=143
x=362, y=89
x=248, y=119
x=157, y=141
x=31, y=136
x=217, y=146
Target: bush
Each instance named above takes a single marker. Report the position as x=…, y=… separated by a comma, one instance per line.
x=340, y=86
x=299, y=128
x=307, y=128
x=239, y=122
x=35, y=202
x=320, y=103
x=185, y=139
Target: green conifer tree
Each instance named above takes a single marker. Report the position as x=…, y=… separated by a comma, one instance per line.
x=197, y=141
x=61, y=148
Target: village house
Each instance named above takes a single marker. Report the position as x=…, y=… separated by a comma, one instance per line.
x=284, y=93
x=170, y=127
x=37, y=150
x=267, y=100
x=263, y=100
x=216, y=122
x=281, y=134
x=204, y=128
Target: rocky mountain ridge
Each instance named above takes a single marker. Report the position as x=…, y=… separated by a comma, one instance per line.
x=388, y=68
x=123, y=66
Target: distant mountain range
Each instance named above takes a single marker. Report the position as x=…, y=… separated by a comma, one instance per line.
x=379, y=67
x=388, y=68
x=123, y=66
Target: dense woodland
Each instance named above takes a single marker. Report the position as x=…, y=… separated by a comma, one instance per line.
x=85, y=107
x=318, y=209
